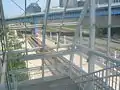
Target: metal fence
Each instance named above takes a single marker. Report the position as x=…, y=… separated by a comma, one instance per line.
x=105, y=79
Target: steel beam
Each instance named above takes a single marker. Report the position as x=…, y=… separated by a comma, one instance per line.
x=87, y=50
x=46, y=55
x=35, y=49
x=79, y=49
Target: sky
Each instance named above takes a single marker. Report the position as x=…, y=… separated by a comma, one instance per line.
x=11, y=10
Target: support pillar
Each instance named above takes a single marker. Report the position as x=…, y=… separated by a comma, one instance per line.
x=91, y=63
x=108, y=40
x=92, y=34
x=91, y=59
x=26, y=49
x=44, y=32
x=109, y=26
x=92, y=24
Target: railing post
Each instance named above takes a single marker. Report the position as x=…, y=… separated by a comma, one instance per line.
x=81, y=61
x=71, y=65
x=91, y=63
x=91, y=68
x=57, y=37
x=91, y=59
x=115, y=54
x=57, y=41
x=81, y=37
x=64, y=39
x=14, y=82
x=51, y=35
x=109, y=38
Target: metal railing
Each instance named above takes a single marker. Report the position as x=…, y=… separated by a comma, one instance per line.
x=16, y=77
x=100, y=80
x=100, y=2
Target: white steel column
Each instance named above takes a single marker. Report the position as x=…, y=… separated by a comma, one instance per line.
x=109, y=38
x=109, y=27
x=62, y=20
x=92, y=24
x=44, y=31
x=92, y=31
x=76, y=37
x=91, y=59
x=81, y=37
x=26, y=49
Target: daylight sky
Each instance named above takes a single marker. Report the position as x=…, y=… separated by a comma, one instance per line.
x=11, y=10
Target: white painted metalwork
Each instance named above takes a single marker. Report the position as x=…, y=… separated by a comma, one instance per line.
x=65, y=42
x=92, y=24
x=44, y=31
x=109, y=27
x=62, y=23
x=26, y=28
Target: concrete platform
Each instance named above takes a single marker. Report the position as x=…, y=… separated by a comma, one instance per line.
x=58, y=84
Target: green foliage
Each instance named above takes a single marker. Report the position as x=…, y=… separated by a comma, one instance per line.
x=14, y=59
x=15, y=62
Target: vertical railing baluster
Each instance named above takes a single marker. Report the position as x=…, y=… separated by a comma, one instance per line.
x=119, y=83
x=112, y=78
x=103, y=79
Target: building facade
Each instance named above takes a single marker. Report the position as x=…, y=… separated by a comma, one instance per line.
x=71, y=3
